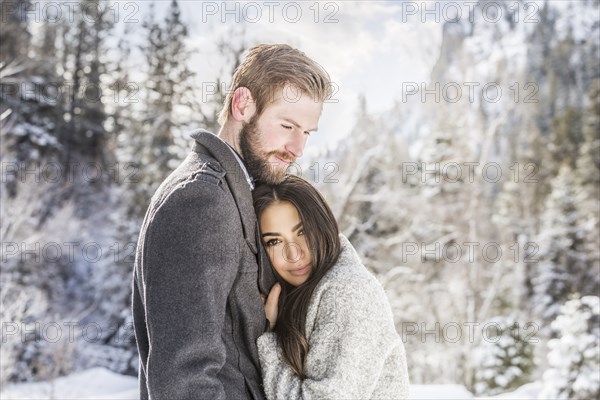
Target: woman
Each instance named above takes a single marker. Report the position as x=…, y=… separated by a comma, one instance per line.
x=332, y=333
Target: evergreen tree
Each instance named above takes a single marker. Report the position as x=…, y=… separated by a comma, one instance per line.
x=574, y=357
x=232, y=51
x=588, y=162
x=30, y=94
x=167, y=104
x=14, y=30
x=84, y=44
x=564, y=259
x=504, y=359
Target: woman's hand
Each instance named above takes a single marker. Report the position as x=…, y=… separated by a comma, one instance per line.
x=271, y=305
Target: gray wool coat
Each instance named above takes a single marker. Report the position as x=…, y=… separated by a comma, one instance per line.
x=199, y=270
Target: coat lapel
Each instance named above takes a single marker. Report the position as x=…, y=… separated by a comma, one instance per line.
x=266, y=277
x=242, y=196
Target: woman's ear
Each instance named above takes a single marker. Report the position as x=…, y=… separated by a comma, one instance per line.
x=243, y=106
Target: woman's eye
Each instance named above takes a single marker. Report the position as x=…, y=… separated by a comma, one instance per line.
x=272, y=242
x=301, y=232
x=286, y=126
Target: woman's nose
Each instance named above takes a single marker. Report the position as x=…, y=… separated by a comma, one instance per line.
x=293, y=253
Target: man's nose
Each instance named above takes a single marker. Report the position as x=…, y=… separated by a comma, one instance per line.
x=295, y=145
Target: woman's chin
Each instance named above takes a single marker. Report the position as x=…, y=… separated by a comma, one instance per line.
x=294, y=281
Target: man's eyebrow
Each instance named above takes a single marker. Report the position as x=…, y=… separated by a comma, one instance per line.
x=297, y=125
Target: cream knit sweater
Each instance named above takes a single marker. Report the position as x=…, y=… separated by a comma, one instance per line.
x=354, y=351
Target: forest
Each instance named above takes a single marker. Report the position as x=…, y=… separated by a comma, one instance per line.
x=478, y=212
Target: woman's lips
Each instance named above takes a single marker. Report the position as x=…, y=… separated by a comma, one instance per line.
x=301, y=271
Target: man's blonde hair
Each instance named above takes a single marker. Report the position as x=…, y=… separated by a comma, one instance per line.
x=267, y=68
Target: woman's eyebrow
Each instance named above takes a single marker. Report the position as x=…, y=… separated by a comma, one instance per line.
x=269, y=234
x=294, y=229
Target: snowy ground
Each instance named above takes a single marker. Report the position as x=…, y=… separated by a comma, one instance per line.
x=96, y=383
x=99, y=383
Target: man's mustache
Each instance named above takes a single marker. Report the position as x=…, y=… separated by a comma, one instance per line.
x=285, y=157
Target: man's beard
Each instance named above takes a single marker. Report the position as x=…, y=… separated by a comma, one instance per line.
x=256, y=160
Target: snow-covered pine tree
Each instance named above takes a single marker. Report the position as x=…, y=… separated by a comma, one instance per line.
x=564, y=258
x=31, y=100
x=504, y=359
x=167, y=99
x=588, y=161
x=14, y=26
x=588, y=182
x=35, y=276
x=83, y=50
x=231, y=47
x=574, y=357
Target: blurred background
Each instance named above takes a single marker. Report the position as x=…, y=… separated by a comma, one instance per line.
x=460, y=153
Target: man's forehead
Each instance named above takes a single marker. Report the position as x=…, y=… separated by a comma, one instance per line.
x=292, y=95
x=302, y=111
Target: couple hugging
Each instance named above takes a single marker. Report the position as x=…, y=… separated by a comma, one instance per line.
x=243, y=286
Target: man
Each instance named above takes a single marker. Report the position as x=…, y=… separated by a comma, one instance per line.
x=200, y=266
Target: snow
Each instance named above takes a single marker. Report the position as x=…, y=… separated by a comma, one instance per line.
x=528, y=391
x=95, y=383
x=439, y=392
x=100, y=383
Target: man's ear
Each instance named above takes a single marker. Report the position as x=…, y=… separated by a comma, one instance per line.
x=243, y=106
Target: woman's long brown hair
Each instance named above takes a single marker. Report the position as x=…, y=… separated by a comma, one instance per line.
x=322, y=234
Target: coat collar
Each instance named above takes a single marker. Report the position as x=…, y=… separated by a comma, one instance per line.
x=208, y=143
